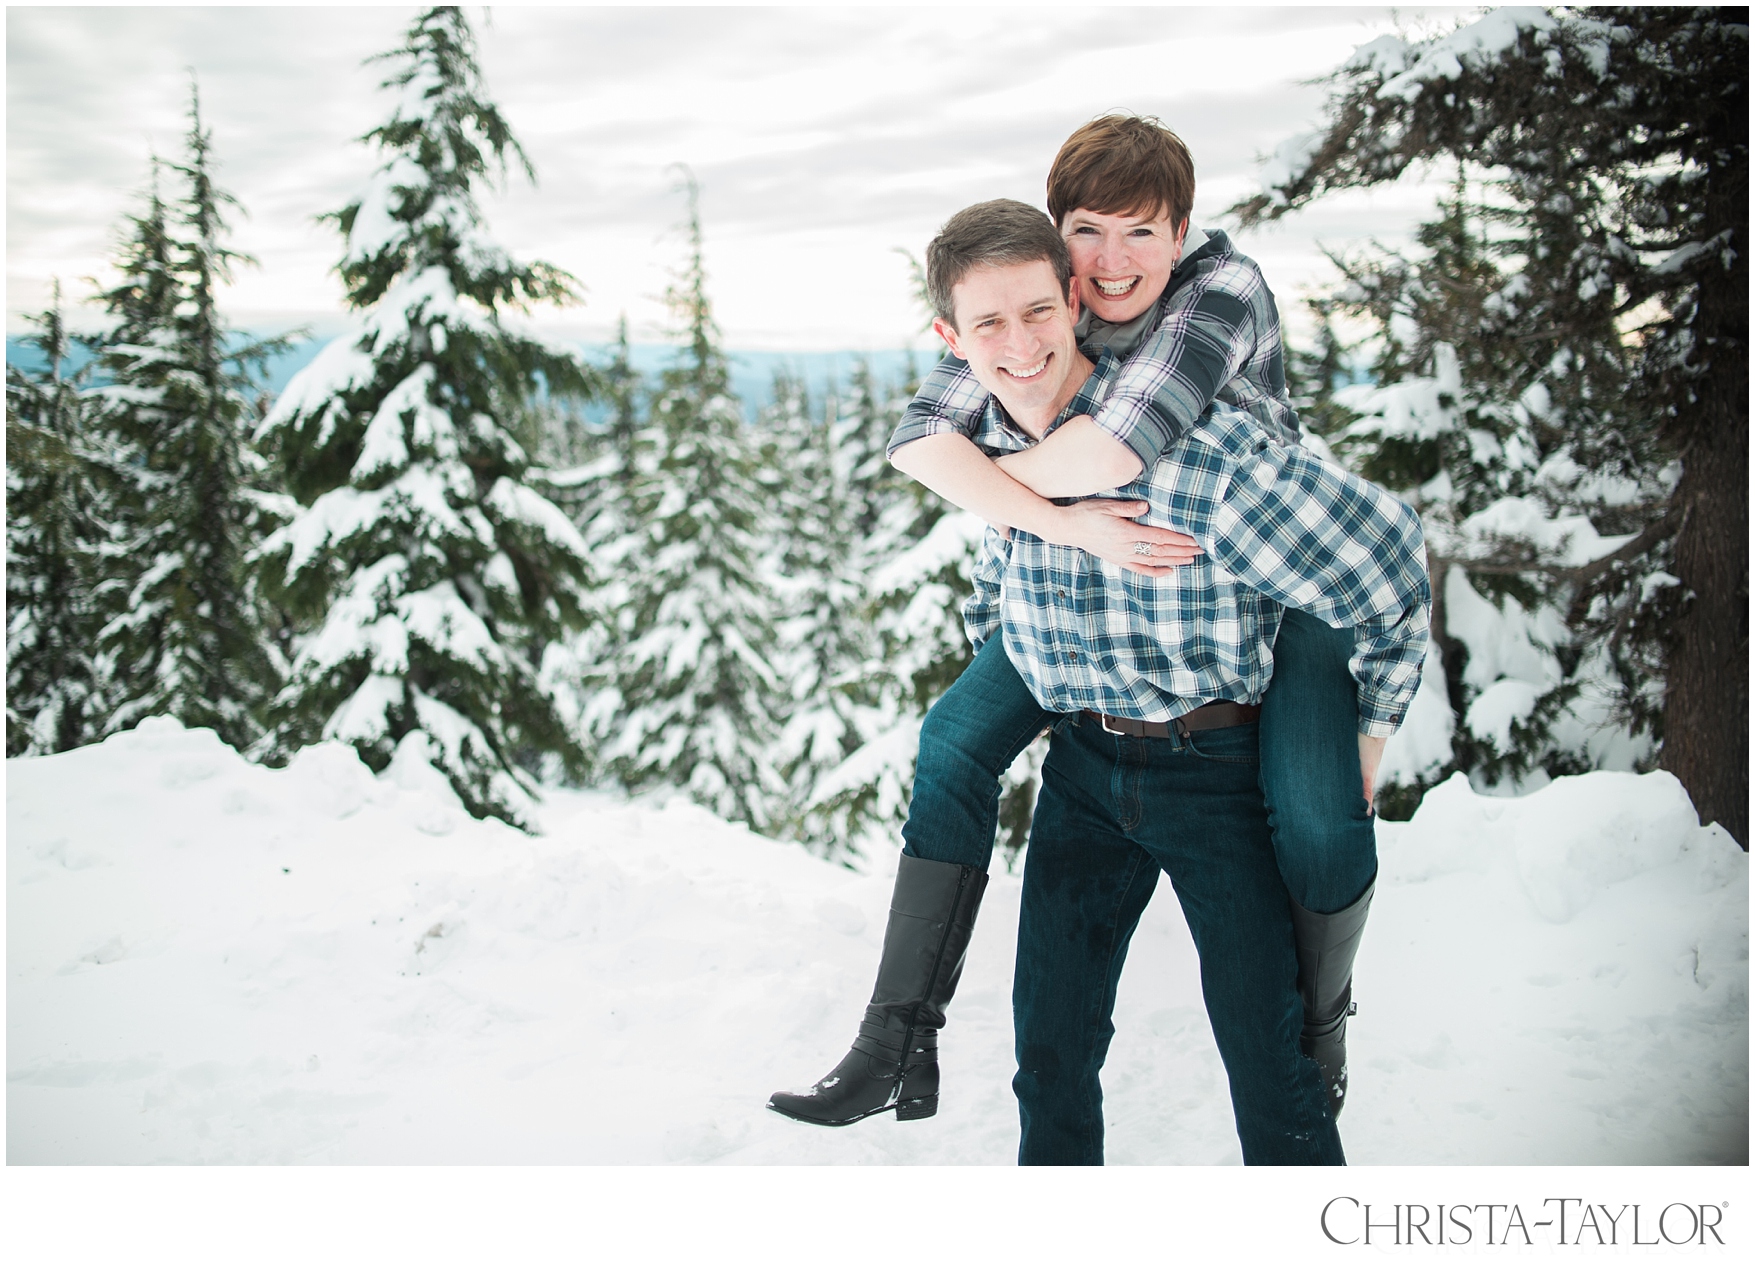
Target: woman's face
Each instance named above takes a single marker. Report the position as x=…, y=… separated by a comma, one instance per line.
x=1122, y=263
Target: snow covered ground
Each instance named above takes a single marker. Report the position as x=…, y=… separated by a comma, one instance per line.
x=212, y=962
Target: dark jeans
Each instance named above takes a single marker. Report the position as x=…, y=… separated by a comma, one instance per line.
x=1113, y=811
x=1322, y=830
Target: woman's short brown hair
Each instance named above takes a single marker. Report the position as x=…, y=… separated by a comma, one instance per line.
x=1122, y=165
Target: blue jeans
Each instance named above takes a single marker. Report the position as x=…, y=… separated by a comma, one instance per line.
x=1113, y=811
x=1323, y=831
x=1325, y=835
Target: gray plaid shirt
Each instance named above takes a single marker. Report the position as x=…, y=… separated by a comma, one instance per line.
x=1279, y=526
x=1216, y=336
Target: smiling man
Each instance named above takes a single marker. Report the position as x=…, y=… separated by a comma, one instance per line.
x=1157, y=680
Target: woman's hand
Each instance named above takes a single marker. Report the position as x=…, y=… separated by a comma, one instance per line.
x=1109, y=529
x=1370, y=758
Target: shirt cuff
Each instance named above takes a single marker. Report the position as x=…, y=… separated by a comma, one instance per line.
x=1137, y=423
x=1380, y=719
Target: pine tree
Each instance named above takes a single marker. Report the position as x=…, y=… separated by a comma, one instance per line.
x=190, y=641
x=1480, y=442
x=1604, y=338
x=822, y=637
x=692, y=700
x=621, y=388
x=435, y=578
x=62, y=480
x=910, y=558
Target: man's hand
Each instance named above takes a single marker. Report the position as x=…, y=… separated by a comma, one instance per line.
x=1107, y=528
x=1370, y=758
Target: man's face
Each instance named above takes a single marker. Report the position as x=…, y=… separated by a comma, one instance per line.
x=1122, y=263
x=1015, y=329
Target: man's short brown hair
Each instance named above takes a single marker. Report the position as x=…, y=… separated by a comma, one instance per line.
x=1122, y=165
x=1003, y=231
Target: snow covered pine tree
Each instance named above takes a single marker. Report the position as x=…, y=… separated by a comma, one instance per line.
x=433, y=575
x=1596, y=335
x=190, y=638
x=61, y=486
x=692, y=699
x=825, y=635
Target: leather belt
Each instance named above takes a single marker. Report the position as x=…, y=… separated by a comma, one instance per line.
x=1206, y=718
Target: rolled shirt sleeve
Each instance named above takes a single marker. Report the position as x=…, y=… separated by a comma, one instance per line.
x=1205, y=338
x=951, y=399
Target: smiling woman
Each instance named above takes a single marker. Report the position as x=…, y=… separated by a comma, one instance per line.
x=822, y=138
x=1121, y=190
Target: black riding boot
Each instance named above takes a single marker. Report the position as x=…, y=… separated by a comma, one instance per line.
x=894, y=1061
x=1326, y=947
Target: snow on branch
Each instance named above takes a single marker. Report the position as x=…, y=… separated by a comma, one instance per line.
x=1474, y=46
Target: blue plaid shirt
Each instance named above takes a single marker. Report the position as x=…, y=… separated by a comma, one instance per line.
x=1216, y=336
x=1279, y=526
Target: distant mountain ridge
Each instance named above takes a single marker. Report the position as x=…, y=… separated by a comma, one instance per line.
x=752, y=372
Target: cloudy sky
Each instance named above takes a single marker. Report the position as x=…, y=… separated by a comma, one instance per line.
x=822, y=137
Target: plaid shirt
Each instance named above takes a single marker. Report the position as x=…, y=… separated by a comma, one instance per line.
x=1216, y=337
x=1279, y=526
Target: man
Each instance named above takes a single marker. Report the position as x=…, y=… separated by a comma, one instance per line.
x=1163, y=674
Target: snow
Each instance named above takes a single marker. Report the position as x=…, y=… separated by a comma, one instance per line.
x=356, y=624
x=952, y=539
x=345, y=511
x=210, y=961
x=375, y=226
x=341, y=367
x=518, y=504
x=1477, y=44
x=1288, y=162
x=365, y=715
x=1684, y=256
x=383, y=448
x=1504, y=641
x=1492, y=713
x=1417, y=408
x=1566, y=540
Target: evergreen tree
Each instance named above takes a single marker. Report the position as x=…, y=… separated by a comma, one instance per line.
x=861, y=437
x=1483, y=450
x=1572, y=335
x=910, y=558
x=61, y=489
x=190, y=640
x=823, y=637
x=693, y=698
x=621, y=389
x=435, y=578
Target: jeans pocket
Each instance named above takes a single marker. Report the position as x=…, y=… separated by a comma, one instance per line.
x=1234, y=744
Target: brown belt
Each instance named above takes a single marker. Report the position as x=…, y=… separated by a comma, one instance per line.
x=1206, y=718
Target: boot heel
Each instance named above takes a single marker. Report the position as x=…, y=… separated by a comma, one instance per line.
x=921, y=1107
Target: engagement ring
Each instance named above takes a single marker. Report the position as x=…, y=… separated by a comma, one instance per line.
x=1142, y=548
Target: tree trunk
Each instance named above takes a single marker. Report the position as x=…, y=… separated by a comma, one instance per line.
x=1706, y=706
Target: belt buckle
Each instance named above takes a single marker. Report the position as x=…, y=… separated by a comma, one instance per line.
x=1103, y=718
